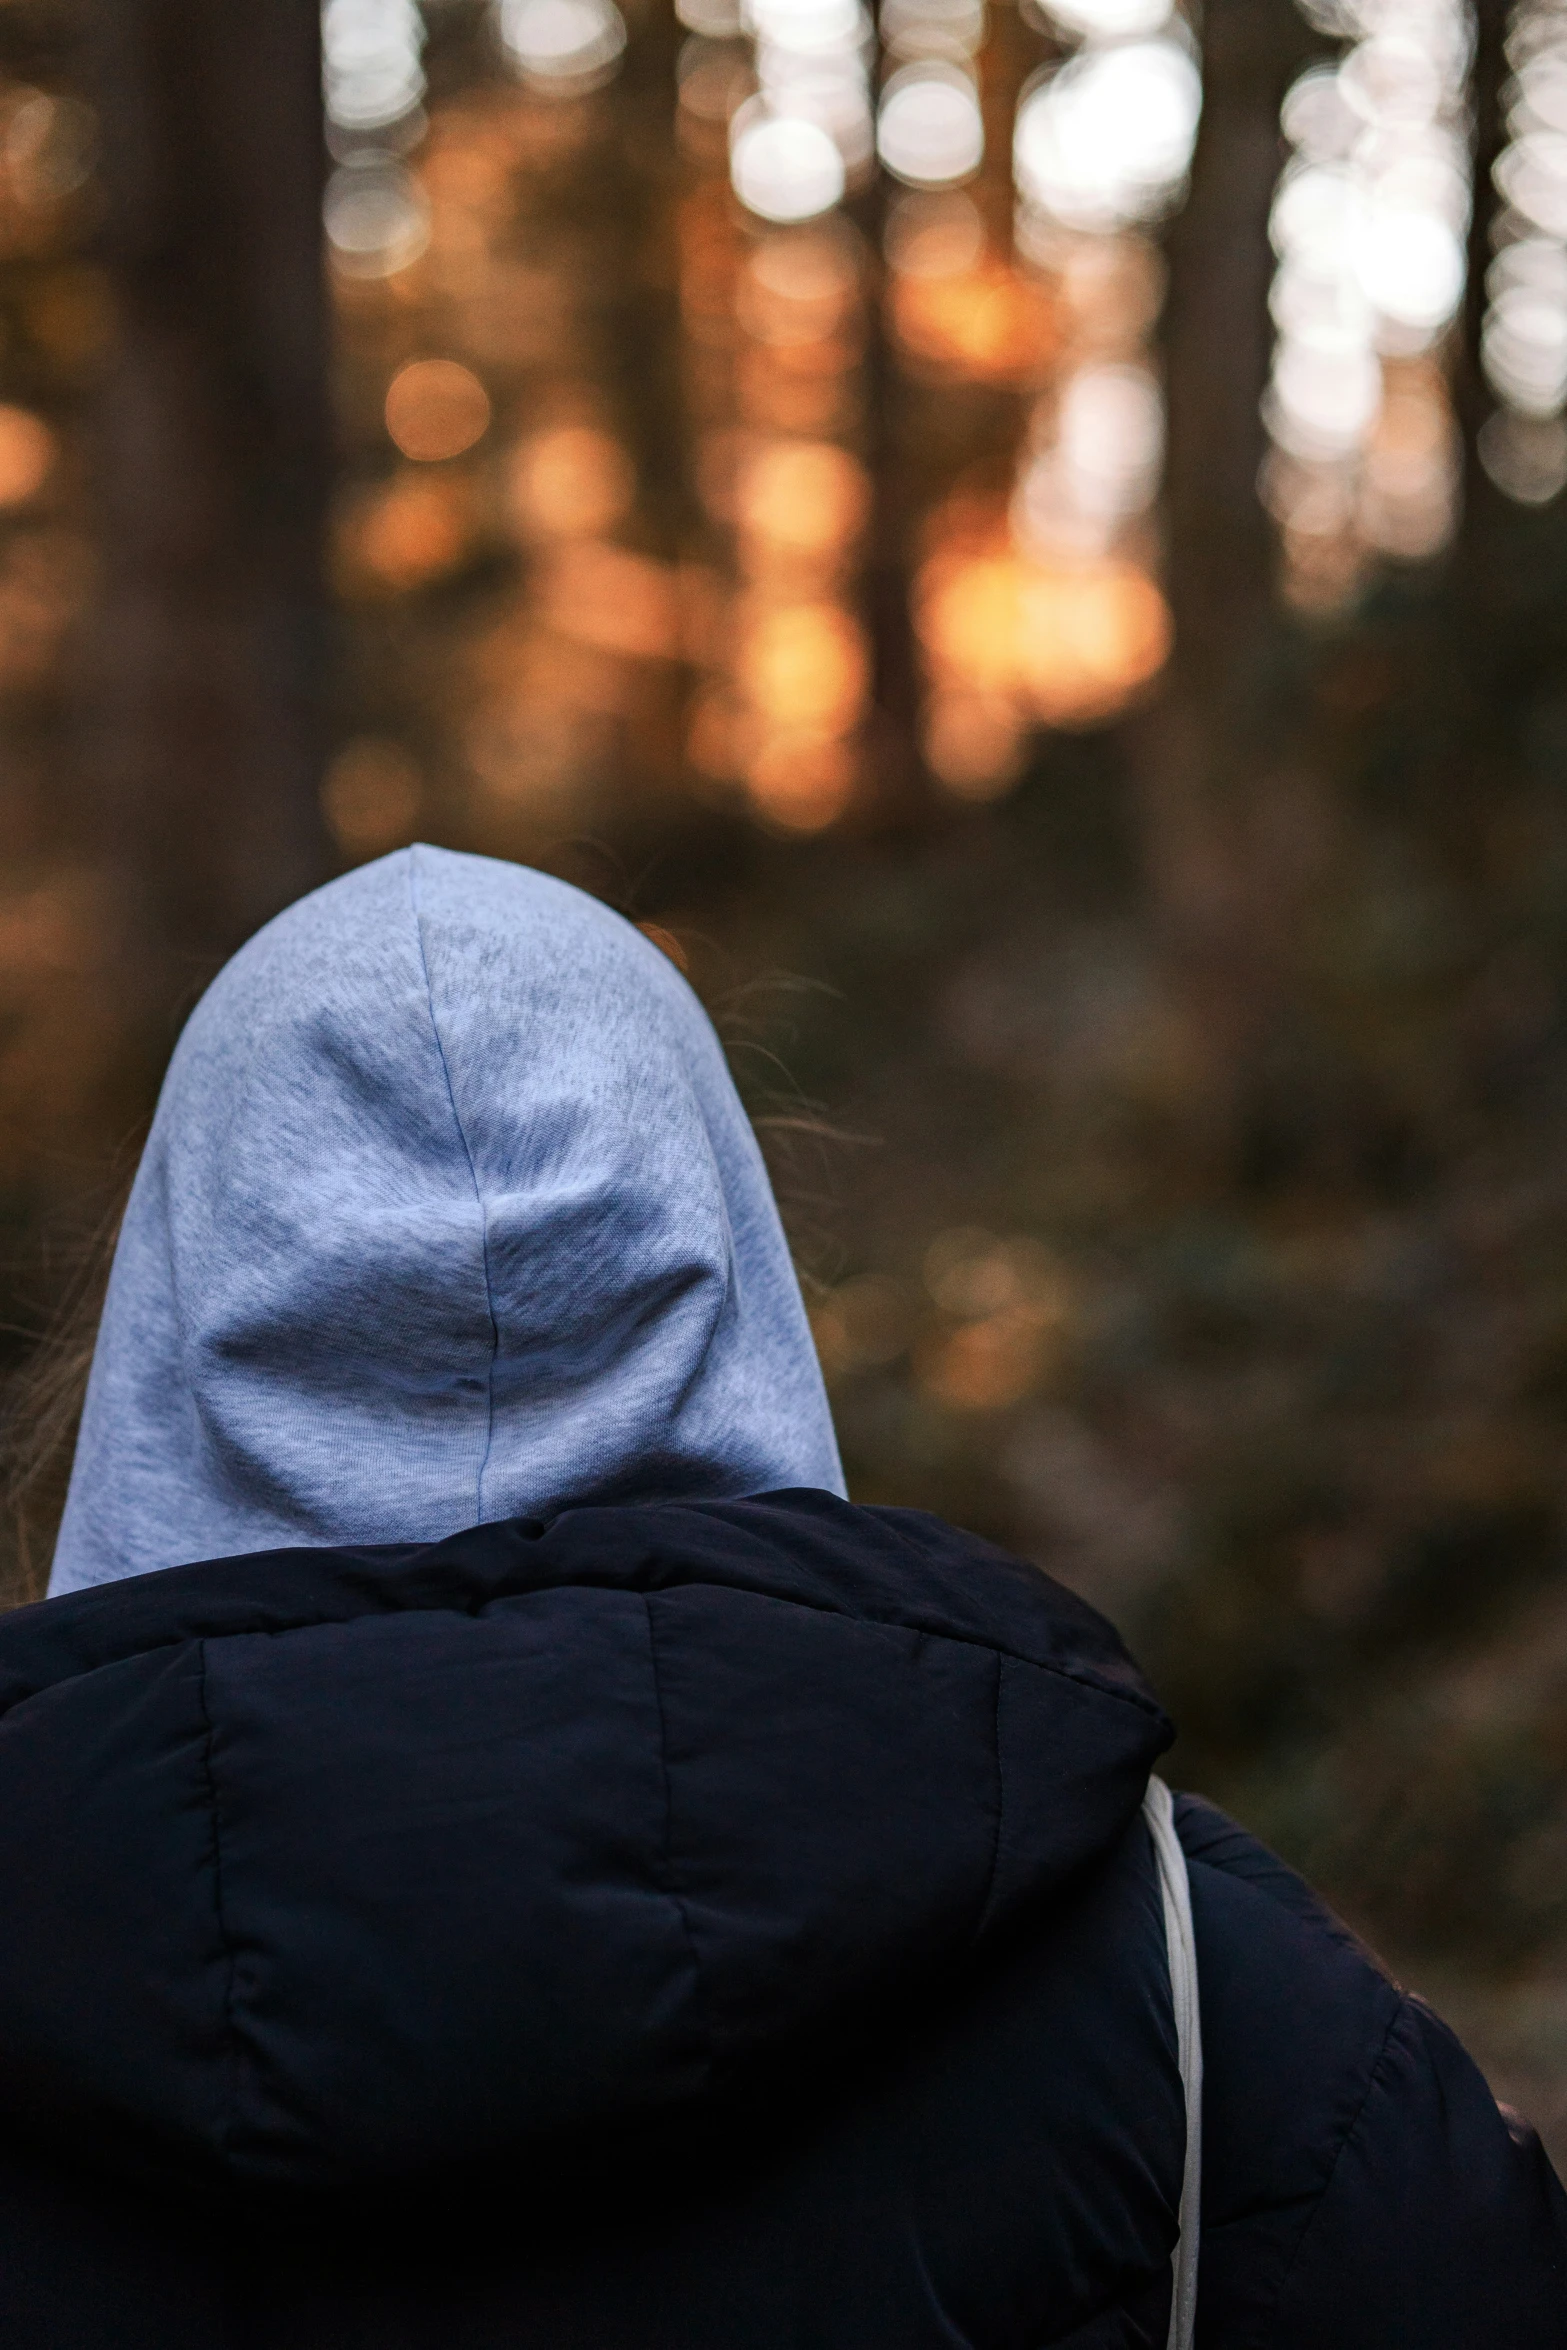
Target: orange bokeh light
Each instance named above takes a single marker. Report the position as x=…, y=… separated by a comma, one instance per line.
x=805, y=665
x=986, y=1366
x=1090, y=638
x=973, y=743
x=801, y=781
x=1075, y=642
x=413, y=531
x=618, y=602
x=571, y=482
x=436, y=408
x=27, y=455
x=799, y=289
x=802, y=498
x=808, y=389
x=986, y=322
x=969, y=618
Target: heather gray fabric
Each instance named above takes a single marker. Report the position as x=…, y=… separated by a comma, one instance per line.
x=449, y=1213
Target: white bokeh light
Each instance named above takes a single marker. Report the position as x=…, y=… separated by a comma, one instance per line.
x=929, y=131
x=1317, y=118
x=563, y=47
x=812, y=61
x=1532, y=175
x=370, y=62
x=1540, y=92
x=1319, y=219
x=954, y=29
x=377, y=217
x=827, y=91
x=713, y=20
x=1107, y=139
x=1523, y=341
x=1412, y=268
x=1094, y=463
x=782, y=167
x=1370, y=224
x=1321, y=401
x=810, y=28
x=1112, y=436
x=1524, y=346
x=1109, y=20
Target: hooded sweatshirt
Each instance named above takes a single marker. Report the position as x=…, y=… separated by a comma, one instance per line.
x=449, y=1213
x=482, y=1869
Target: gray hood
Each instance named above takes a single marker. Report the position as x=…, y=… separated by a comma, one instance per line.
x=449, y=1213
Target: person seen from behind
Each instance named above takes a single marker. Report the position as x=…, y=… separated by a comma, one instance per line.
x=499, y=1850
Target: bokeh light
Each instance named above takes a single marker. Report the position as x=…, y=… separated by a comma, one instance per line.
x=714, y=79
x=805, y=500
x=929, y=130
x=1108, y=20
x=1524, y=337
x=1096, y=462
x=715, y=20
x=1043, y=608
x=1007, y=1311
x=377, y=216
x=436, y=408
x=563, y=48
x=402, y=534
x=784, y=167
x=27, y=455
x=371, y=62
x=1070, y=643
x=572, y=481
x=805, y=666
x=1526, y=456
x=950, y=29
x=958, y=307
x=48, y=144
x=1054, y=618
x=1369, y=225
x=1106, y=139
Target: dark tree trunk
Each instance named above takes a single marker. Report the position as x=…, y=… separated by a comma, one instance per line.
x=897, y=779
x=1218, y=342
x=1471, y=398
x=1208, y=748
x=214, y=452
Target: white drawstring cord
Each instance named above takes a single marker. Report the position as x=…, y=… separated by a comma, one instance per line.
x=1175, y=1892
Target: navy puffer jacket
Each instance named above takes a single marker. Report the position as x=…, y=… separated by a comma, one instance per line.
x=722, y=1926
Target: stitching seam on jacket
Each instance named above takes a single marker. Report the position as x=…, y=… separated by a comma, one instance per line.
x=985, y=1906
x=1353, y=2124
x=473, y=1177
x=76, y=1671
x=227, y=2125
x=671, y=1884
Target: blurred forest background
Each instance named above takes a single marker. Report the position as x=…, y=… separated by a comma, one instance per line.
x=1025, y=541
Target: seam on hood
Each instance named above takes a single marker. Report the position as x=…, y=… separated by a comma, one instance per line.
x=226, y=2121
x=473, y=1177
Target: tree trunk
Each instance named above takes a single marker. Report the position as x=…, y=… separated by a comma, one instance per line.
x=207, y=658
x=1472, y=399
x=1218, y=342
x=1207, y=747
